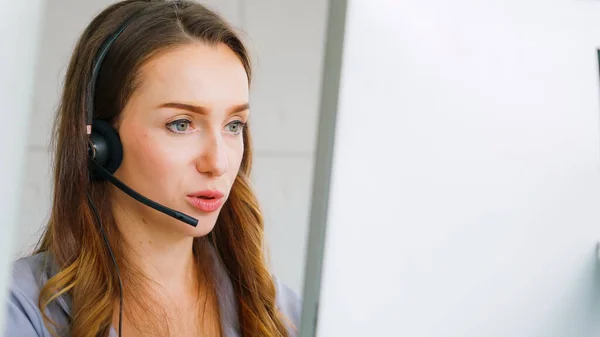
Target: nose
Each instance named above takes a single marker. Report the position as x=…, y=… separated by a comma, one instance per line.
x=213, y=157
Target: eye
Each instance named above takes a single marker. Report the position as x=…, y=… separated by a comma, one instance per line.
x=235, y=127
x=179, y=126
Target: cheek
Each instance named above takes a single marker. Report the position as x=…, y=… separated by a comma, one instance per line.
x=147, y=159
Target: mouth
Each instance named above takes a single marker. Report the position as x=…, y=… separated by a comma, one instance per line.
x=206, y=201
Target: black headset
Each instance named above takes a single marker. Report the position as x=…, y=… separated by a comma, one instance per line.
x=105, y=153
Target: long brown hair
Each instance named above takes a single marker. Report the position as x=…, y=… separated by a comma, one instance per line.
x=72, y=238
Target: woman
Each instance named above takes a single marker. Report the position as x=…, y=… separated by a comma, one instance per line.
x=171, y=80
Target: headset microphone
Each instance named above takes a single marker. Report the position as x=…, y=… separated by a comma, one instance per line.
x=132, y=193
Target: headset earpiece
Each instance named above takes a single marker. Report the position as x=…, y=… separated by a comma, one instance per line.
x=105, y=147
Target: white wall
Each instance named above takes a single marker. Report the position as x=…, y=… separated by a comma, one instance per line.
x=19, y=39
x=287, y=52
x=465, y=191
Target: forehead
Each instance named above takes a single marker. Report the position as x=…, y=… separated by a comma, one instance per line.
x=195, y=73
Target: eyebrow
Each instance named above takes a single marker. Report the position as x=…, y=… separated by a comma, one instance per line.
x=203, y=110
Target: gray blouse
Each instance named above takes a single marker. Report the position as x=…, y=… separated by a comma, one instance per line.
x=29, y=274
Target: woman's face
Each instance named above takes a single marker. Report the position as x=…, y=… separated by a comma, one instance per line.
x=182, y=135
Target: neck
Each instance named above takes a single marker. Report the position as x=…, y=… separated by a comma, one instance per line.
x=179, y=297
x=157, y=252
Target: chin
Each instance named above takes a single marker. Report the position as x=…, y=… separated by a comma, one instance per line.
x=201, y=230
x=206, y=223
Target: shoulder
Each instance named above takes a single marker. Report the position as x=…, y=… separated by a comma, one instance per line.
x=29, y=274
x=23, y=318
x=289, y=304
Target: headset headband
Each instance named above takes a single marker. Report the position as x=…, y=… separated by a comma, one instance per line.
x=91, y=87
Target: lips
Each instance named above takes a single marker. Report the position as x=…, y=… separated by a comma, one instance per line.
x=207, y=200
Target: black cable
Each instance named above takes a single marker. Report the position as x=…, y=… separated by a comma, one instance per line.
x=113, y=259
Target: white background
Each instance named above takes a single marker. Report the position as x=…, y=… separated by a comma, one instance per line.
x=465, y=192
x=19, y=39
x=286, y=39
